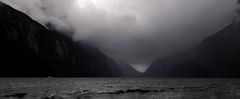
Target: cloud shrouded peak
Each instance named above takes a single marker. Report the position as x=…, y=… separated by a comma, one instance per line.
x=133, y=31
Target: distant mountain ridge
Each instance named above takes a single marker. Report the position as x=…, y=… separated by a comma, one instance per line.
x=31, y=50
x=216, y=56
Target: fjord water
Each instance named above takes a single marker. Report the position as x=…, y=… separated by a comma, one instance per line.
x=119, y=88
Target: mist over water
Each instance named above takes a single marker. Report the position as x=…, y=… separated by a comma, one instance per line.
x=133, y=31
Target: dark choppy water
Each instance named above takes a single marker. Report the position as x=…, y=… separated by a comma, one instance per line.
x=118, y=88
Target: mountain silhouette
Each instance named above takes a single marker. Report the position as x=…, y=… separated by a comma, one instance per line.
x=31, y=50
x=216, y=56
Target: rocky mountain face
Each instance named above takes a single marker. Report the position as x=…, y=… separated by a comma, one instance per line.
x=30, y=50
x=217, y=56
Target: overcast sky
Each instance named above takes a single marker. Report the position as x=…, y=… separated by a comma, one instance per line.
x=133, y=31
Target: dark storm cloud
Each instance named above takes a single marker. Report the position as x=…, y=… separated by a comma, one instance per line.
x=133, y=31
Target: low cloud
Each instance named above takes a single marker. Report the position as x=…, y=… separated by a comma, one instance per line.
x=133, y=31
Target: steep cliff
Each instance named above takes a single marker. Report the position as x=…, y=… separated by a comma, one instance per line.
x=216, y=56
x=30, y=50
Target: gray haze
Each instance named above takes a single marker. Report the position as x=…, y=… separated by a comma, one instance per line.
x=133, y=31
